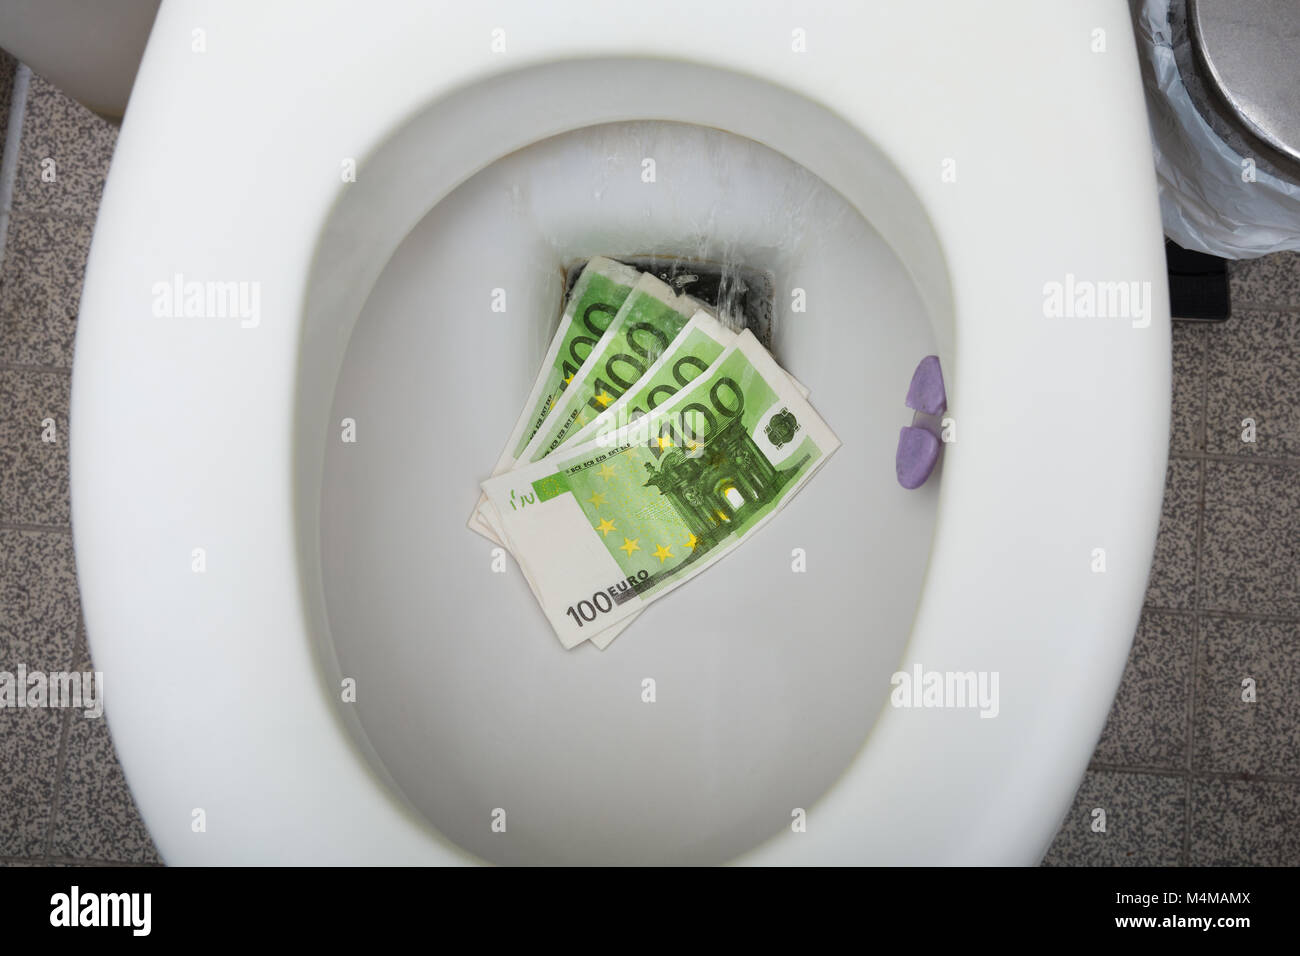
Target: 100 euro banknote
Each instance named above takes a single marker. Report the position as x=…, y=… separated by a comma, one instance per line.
x=644, y=327
x=596, y=298
x=647, y=323
x=696, y=347
x=689, y=355
x=602, y=528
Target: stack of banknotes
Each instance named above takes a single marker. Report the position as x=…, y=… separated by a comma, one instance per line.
x=655, y=440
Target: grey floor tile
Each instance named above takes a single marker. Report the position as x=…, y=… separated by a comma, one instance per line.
x=1250, y=558
x=1253, y=373
x=1236, y=735
x=33, y=472
x=40, y=288
x=1267, y=281
x=64, y=154
x=1147, y=725
x=29, y=752
x=1144, y=820
x=97, y=818
x=7, y=67
x=1173, y=572
x=40, y=610
x=1187, y=432
x=1245, y=823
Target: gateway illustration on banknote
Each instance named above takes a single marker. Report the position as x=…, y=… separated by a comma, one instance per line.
x=716, y=489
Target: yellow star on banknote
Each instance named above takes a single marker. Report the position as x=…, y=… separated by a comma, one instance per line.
x=597, y=499
x=664, y=442
x=692, y=541
x=629, y=545
x=606, y=472
x=662, y=552
x=605, y=527
x=604, y=398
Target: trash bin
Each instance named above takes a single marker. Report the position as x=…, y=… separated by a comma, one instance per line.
x=1223, y=97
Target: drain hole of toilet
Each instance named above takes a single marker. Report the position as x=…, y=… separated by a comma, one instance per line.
x=738, y=292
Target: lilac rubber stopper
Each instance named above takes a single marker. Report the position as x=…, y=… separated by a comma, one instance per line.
x=918, y=452
x=926, y=393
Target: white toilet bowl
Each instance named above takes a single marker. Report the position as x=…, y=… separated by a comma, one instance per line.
x=924, y=178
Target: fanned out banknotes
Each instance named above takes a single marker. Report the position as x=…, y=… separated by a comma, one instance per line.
x=656, y=439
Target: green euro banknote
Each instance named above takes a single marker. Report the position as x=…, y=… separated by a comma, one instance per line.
x=651, y=317
x=692, y=353
x=649, y=320
x=694, y=349
x=602, y=528
x=699, y=342
x=596, y=298
x=696, y=346
x=689, y=355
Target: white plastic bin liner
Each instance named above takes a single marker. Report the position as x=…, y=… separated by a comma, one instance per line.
x=1205, y=200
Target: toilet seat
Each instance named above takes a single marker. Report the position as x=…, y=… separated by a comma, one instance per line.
x=184, y=435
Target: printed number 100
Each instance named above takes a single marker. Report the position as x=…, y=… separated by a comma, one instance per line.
x=585, y=611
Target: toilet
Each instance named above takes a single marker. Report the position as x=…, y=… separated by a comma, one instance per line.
x=291, y=373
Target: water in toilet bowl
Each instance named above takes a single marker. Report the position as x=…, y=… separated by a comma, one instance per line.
x=690, y=744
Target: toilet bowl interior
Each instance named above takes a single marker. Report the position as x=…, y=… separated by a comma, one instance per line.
x=767, y=678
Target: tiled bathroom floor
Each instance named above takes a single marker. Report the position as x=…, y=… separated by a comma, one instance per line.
x=1185, y=772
